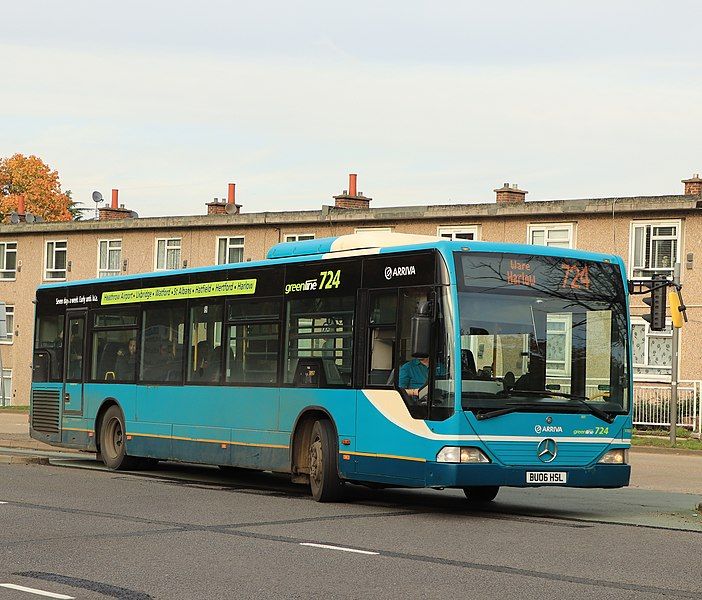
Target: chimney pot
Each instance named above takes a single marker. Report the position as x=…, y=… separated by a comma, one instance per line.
x=20, y=205
x=352, y=184
x=115, y=198
x=231, y=193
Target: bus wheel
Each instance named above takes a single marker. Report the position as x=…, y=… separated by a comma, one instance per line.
x=482, y=493
x=113, y=441
x=323, y=455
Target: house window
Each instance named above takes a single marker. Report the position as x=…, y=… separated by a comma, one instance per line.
x=652, y=350
x=10, y=323
x=55, y=265
x=6, y=386
x=8, y=260
x=556, y=235
x=230, y=250
x=654, y=248
x=458, y=233
x=109, y=257
x=373, y=230
x=167, y=254
x=298, y=237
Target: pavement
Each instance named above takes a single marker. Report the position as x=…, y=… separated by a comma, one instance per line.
x=659, y=469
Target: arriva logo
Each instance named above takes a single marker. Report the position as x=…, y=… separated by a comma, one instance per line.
x=399, y=272
x=548, y=429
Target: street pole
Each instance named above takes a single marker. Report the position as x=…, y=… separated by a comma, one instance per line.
x=674, y=372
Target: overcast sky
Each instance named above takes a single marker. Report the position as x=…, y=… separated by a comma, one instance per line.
x=429, y=102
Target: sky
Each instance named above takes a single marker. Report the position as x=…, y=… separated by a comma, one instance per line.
x=429, y=102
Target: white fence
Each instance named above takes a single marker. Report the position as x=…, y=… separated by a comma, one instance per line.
x=652, y=405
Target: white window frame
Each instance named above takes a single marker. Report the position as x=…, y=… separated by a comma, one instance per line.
x=651, y=377
x=166, y=247
x=567, y=320
x=46, y=258
x=677, y=223
x=229, y=246
x=373, y=230
x=548, y=227
x=295, y=237
x=3, y=268
x=6, y=375
x=451, y=232
x=9, y=312
x=109, y=272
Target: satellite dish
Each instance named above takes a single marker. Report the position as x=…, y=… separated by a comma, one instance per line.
x=38, y=219
x=133, y=214
x=231, y=208
x=97, y=197
x=14, y=218
x=29, y=217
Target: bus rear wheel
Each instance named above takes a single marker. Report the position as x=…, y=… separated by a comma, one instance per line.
x=481, y=493
x=113, y=438
x=325, y=482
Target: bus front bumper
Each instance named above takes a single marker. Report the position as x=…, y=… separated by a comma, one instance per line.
x=468, y=475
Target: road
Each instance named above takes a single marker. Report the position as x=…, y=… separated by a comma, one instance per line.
x=74, y=530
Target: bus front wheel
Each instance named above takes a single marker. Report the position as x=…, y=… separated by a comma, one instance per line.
x=325, y=482
x=113, y=441
x=482, y=493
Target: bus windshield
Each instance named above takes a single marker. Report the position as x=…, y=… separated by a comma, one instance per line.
x=541, y=333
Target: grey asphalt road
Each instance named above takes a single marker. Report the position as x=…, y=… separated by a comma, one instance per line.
x=187, y=532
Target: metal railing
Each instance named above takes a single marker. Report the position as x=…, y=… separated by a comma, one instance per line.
x=652, y=405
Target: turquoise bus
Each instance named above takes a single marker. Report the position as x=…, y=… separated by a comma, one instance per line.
x=377, y=359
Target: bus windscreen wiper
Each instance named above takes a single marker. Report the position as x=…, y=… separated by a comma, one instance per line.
x=598, y=412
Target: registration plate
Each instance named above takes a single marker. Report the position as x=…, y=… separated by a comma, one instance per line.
x=547, y=477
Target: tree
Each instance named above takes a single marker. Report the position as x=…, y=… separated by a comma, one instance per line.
x=33, y=178
x=74, y=209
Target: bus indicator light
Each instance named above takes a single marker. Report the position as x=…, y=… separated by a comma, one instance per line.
x=346, y=442
x=346, y=456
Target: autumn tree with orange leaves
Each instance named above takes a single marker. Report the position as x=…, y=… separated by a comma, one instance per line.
x=32, y=178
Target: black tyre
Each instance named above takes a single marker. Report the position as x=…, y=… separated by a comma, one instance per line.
x=323, y=456
x=113, y=440
x=482, y=493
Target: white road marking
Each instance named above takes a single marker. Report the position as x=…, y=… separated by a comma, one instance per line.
x=21, y=588
x=337, y=548
x=3, y=502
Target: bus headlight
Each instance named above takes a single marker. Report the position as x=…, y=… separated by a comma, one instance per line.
x=620, y=456
x=456, y=454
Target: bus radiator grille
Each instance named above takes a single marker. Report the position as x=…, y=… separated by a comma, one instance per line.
x=45, y=410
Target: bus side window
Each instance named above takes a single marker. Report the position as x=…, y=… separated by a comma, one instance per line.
x=319, y=328
x=382, y=335
x=114, y=346
x=205, y=349
x=252, y=341
x=49, y=340
x=163, y=332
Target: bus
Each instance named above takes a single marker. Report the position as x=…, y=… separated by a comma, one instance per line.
x=380, y=359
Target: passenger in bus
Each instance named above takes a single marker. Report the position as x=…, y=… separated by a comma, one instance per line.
x=203, y=362
x=126, y=361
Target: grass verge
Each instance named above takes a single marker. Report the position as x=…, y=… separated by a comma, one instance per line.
x=14, y=409
x=661, y=442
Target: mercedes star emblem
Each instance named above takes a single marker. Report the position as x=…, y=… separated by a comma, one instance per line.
x=547, y=450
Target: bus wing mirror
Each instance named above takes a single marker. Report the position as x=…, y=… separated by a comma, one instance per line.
x=420, y=335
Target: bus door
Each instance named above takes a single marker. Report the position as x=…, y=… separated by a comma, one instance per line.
x=75, y=355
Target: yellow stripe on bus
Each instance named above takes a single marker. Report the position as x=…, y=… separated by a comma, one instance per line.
x=374, y=455
x=187, y=439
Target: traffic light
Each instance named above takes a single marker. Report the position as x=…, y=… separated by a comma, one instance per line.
x=657, y=301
